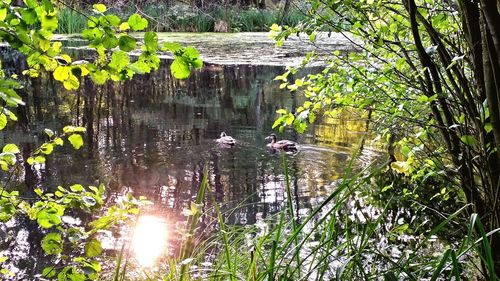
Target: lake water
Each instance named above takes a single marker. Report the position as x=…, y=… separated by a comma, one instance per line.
x=152, y=136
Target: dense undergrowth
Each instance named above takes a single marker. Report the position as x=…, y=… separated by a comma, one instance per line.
x=184, y=18
x=349, y=235
x=376, y=223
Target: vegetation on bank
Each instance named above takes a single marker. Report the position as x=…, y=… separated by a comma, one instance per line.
x=436, y=105
x=427, y=77
x=186, y=18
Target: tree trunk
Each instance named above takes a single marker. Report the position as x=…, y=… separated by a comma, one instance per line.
x=261, y=4
x=284, y=15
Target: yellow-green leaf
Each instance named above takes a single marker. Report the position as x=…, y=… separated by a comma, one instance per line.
x=100, y=8
x=61, y=73
x=3, y=121
x=400, y=167
x=76, y=140
x=3, y=14
x=10, y=148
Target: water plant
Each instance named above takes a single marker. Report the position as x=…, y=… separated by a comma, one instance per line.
x=342, y=238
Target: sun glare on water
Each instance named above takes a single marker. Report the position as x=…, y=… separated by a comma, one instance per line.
x=150, y=239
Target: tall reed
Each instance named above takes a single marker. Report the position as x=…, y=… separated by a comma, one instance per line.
x=326, y=244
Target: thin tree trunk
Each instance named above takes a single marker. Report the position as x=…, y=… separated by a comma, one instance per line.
x=284, y=15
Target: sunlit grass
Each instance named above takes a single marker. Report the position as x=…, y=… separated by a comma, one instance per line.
x=326, y=244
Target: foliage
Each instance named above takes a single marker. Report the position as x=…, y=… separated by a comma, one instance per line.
x=421, y=70
x=346, y=237
x=74, y=250
x=187, y=19
x=50, y=208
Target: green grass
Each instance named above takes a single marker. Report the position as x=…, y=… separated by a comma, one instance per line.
x=71, y=21
x=307, y=248
x=183, y=18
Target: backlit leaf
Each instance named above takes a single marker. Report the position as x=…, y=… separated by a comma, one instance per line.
x=137, y=23
x=400, y=166
x=93, y=248
x=127, y=43
x=52, y=243
x=3, y=121
x=76, y=140
x=100, y=8
x=49, y=272
x=180, y=69
x=10, y=148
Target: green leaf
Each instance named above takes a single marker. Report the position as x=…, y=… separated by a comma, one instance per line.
x=10, y=148
x=140, y=67
x=49, y=23
x=99, y=77
x=93, y=34
x=171, y=46
x=137, y=23
x=488, y=127
x=100, y=8
x=49, y=272
x=70, y=273
x=76, y=188
x=72, y=83
x=109, y=42
x=193, y=57
x=124, y=26
x=3, y=14
x=38, y=191
x=3, y=121
x=113, y=20
x=469, y=140
x=400, y=166
x=92, y=22
x=29, y=16
x=151, y=41
x=93, y=248
x=278, y=122
x=180, y=69
x=69, y=129
x=127, y=43
x=61, y=73
x=300, y=126
x=47, y=148
x=119, y=60
x=76, y=140
x=52, y=243
x=47, y=218
x=40, y=159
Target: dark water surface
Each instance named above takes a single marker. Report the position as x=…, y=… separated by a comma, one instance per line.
x=153, y=135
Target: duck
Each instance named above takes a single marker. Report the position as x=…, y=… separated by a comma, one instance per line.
x=226, y=140
x=285, y=145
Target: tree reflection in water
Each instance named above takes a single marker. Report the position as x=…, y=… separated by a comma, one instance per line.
x=154, y=134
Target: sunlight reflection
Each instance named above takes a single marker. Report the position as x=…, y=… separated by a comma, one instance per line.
x=149, y=241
